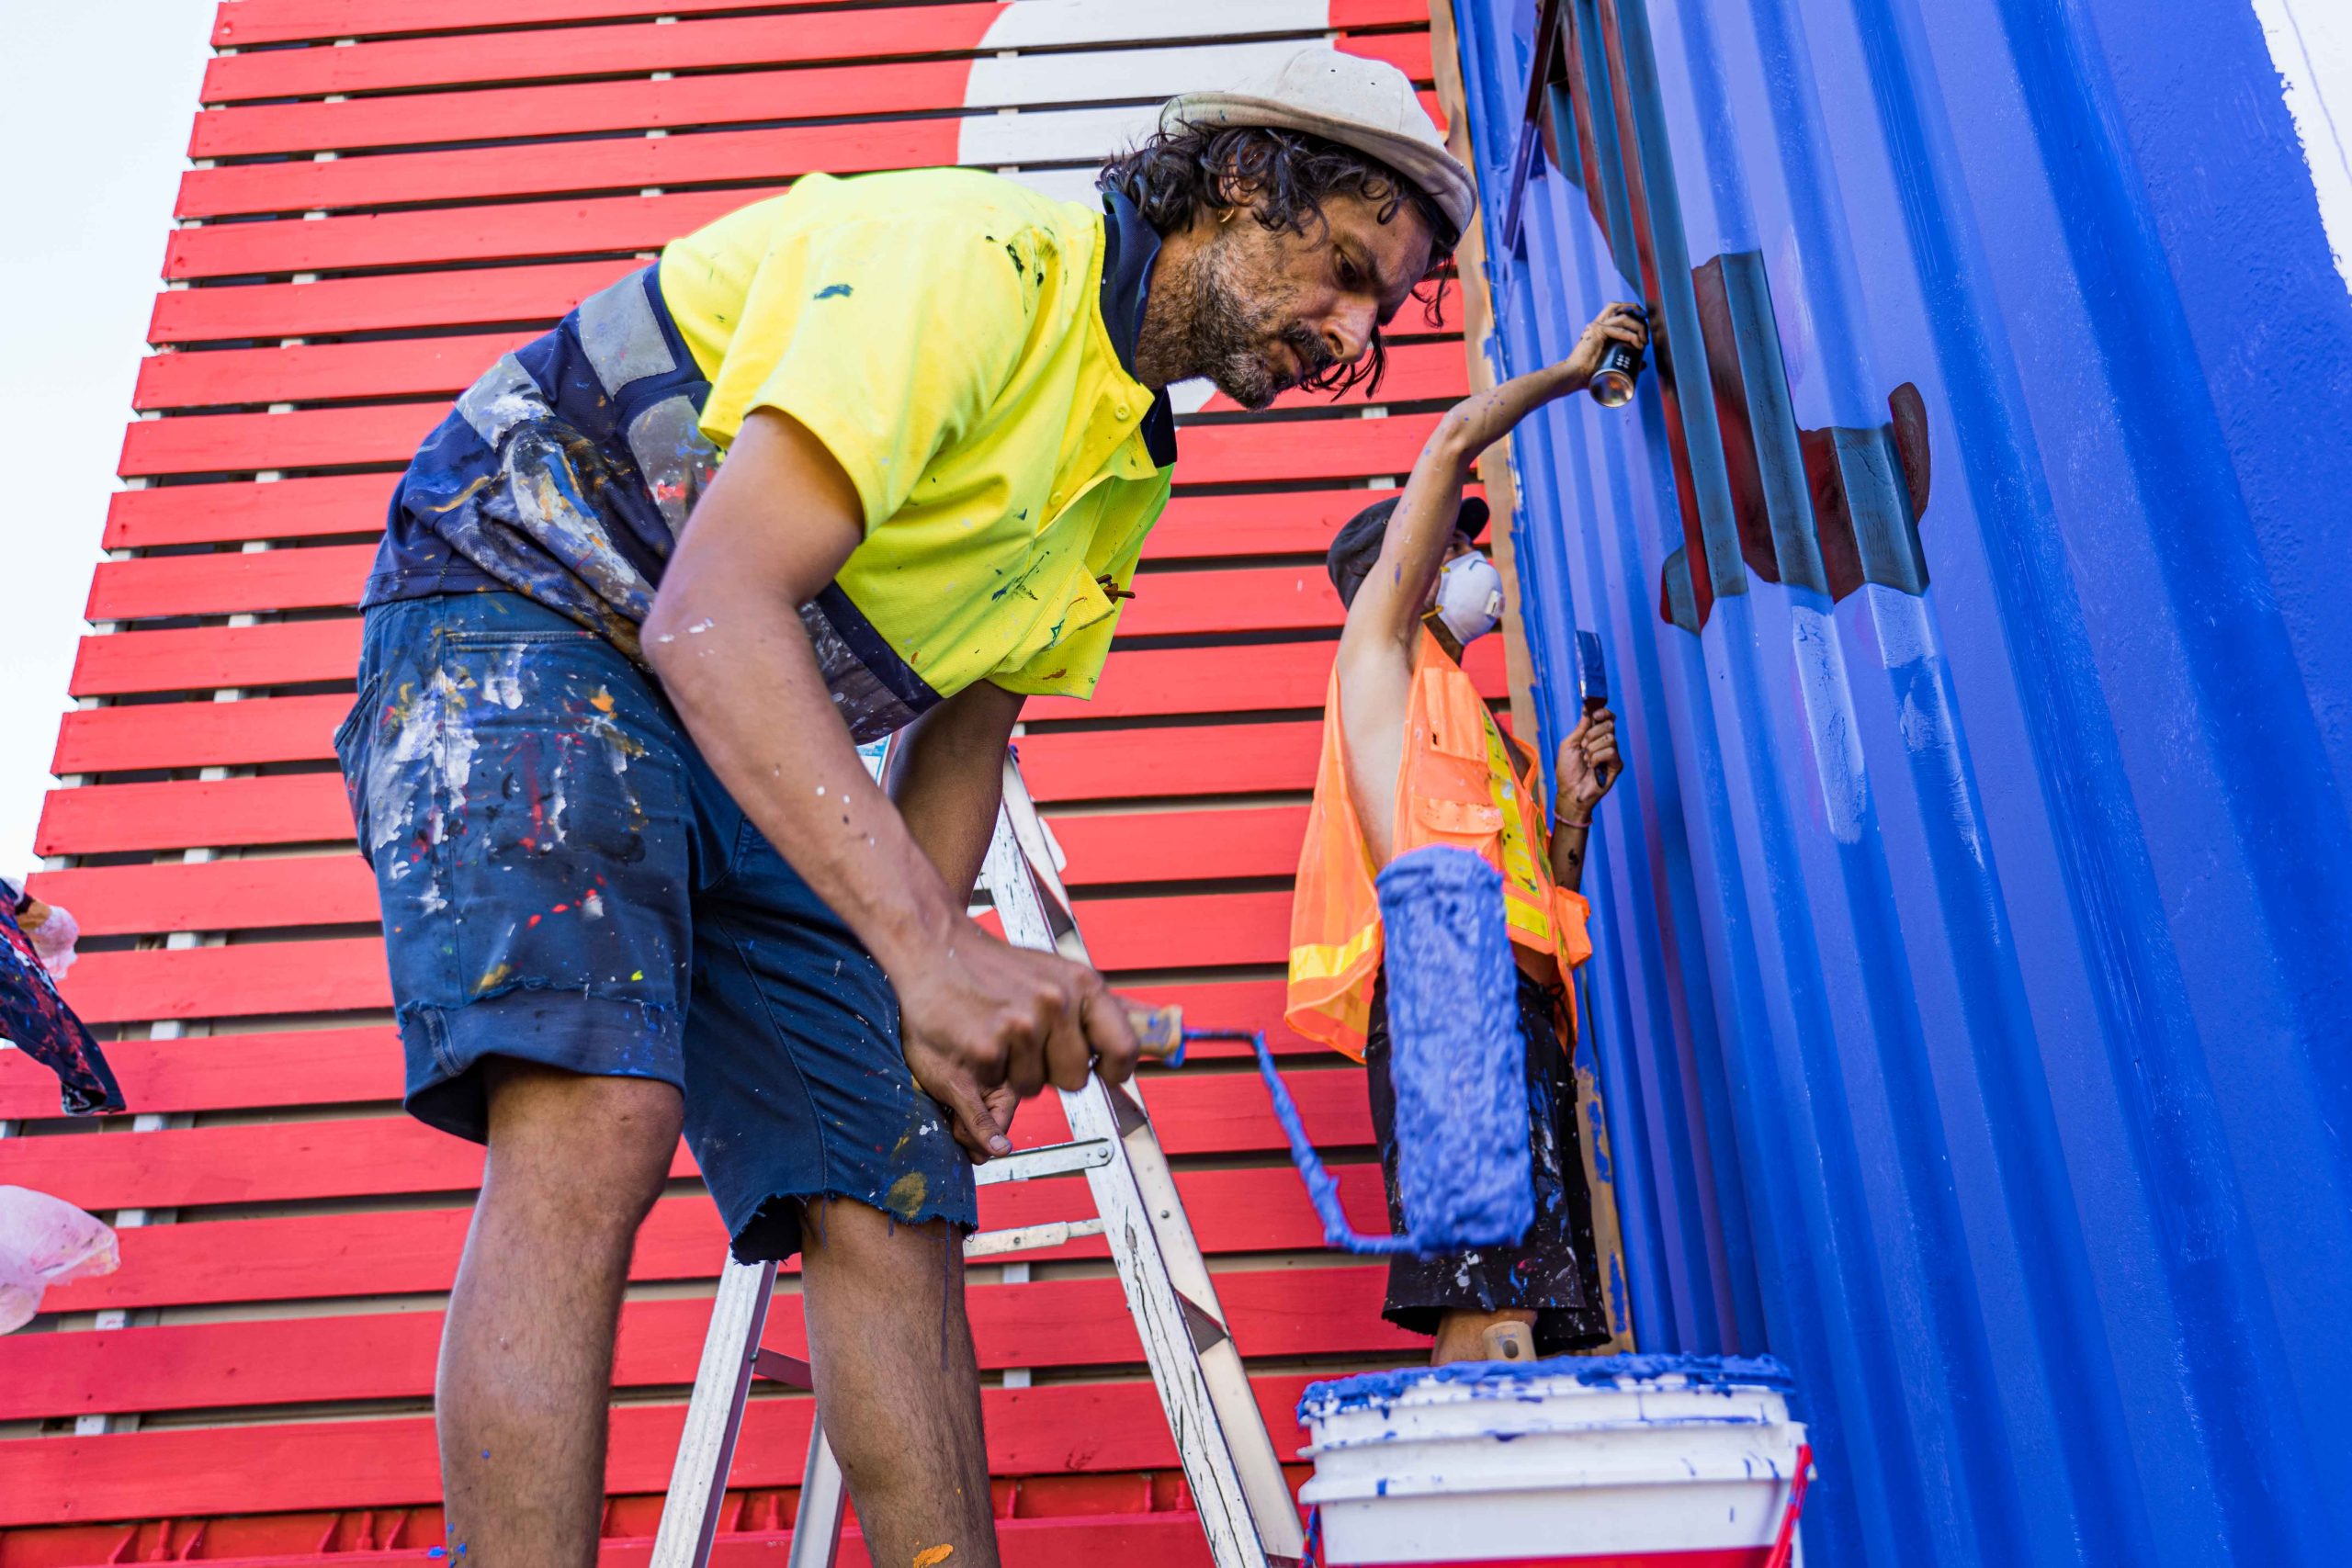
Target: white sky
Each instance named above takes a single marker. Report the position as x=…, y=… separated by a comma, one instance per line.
x=95, y=99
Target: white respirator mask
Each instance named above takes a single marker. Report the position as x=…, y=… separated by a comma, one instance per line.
x=1469, y=597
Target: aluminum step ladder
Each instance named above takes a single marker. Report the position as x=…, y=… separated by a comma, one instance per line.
x=1230, y=1463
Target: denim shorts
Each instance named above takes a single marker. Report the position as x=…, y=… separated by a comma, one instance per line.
x=563, y=881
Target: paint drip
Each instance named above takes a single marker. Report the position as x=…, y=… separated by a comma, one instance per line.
x=1457, y=1061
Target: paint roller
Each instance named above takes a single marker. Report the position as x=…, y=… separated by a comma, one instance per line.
x=1457, y=1062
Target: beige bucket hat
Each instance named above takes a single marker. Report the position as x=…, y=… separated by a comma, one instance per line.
x=1368, y=104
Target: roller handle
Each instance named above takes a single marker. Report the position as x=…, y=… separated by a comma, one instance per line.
x=1160, y=1033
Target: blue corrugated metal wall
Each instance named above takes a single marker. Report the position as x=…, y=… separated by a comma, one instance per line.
x=1975, y=938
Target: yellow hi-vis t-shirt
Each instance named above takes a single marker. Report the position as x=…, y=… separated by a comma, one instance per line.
x=940, y=330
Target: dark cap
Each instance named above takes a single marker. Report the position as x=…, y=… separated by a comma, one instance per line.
x=1356, y=547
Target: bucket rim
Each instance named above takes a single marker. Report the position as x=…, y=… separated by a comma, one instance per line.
x=1724, y=1374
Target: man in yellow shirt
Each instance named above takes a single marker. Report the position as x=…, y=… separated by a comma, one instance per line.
x=602, y=759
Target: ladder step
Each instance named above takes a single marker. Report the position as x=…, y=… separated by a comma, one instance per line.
x=1029, y=1238
x=1053, y=1159
x=789, y=1370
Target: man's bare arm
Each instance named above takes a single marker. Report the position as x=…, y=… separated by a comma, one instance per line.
x=1387, y=608
x=947, y=777
x=726, y=638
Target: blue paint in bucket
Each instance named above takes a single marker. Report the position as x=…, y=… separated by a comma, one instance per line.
x=1717, y=1374
x=1456, y=1060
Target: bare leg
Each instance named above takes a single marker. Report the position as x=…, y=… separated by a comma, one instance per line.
x=1461, y=1334
x=527, y=1352
x=896, y=1385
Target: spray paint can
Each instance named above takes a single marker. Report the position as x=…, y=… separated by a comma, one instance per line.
x=1620, y=364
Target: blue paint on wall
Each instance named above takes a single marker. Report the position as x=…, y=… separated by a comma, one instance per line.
x=1973, y=954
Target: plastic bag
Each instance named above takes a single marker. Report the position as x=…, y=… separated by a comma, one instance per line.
x=46, y=1241
x=54, y=940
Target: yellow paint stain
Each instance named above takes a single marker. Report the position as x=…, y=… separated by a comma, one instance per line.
x=491, y=976
x=905, y=1200
x=637, y=973
x=602, y=702
x=931, y=1556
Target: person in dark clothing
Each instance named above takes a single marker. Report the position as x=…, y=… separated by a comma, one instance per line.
x=33, y=1014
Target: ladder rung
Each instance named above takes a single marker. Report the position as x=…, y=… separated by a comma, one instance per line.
x=1054, y=1159
x=1029, y=1238
x=789, y=1370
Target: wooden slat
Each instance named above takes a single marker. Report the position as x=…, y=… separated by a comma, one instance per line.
x=1058, y=150
x=1287, y=522
x=1136, y=683
x=379, y=1251
x=229, y=584
x=299, y=808
x=1181, y=846
x=872, y=34
x=357, y=1066
x=1198, y=1113
x=348, y=975
x=622, y=50
x=338, y=889
x=1276, y=598
x=443, y=367
x=338, y=974
x=1341, y=444
x=275, y=653
x=770, y=156
x=215, y=896
x=394, y=368
x=245, y=23
x=310, y=809
x=1210, y=759
x=1054, y=1323
x=197, y=735
x=506, y=231
x=1280, y=676
x=232, y=1072
x=1053, y=1428
x=738, y=97
x=228, y=513
x=517, y=295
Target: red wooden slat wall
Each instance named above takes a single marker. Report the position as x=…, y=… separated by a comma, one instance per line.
x=386, y=195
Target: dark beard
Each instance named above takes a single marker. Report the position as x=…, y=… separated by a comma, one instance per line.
x=1198, y=324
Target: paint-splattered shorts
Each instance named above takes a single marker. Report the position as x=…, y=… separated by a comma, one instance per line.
x=1553, y=1271
x=563, y=881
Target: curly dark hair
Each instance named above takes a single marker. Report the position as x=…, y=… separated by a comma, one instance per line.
x=1175, y=174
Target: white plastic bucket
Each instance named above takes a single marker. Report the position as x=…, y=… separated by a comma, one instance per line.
x=1675, y=1462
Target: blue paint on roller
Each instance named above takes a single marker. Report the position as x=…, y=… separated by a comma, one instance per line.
x=1457, y=1058
x=1458, y=1063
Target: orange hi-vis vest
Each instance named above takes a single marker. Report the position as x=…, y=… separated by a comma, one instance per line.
x=1459, y=784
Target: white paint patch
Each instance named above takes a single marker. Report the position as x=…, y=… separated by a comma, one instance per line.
x=2311, y=44
x=1905, y=636
x=1829, y=722
x=503, y=685
x=421, y=770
